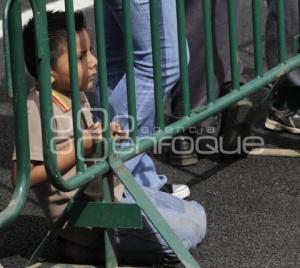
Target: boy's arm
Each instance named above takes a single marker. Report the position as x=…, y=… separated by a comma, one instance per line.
x=65, y=162
x=65, y=158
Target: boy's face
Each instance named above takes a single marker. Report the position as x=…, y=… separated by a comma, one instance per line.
x=86, y=66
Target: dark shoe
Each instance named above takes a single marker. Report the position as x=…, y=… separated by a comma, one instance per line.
x=207, y=140
x=283, y=120
x=235, y=126
x=182, y=151
x=179, y=190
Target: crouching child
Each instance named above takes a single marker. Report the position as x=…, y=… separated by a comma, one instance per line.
x=85, y=245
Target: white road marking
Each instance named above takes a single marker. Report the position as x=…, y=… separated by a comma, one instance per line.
x=58, y=5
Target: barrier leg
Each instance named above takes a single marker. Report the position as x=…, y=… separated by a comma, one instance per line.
x=153, y=214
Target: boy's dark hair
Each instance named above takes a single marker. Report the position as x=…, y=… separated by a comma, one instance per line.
x=57, y=33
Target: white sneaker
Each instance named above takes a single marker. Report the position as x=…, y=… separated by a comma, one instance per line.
x=179, y=190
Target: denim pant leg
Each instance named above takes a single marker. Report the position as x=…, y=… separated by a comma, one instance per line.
x=144, y=173
x=186, y=218
x=143, y=68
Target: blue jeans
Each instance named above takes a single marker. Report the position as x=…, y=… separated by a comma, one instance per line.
x=143, y=247
x=143, y=72
x=146, y=246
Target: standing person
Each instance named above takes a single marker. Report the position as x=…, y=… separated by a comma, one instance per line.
x=194, y=20
x=142, y=166
x=284, y=111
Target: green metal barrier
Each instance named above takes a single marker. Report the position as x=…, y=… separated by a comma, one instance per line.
x=15, y=78
x=14, y=58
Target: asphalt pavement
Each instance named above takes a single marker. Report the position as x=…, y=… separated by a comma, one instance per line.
x=252, y=204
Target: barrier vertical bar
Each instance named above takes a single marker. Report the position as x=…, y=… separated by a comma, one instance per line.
x=20, y=111
x=298, y=37
x=209, y=56
x=282, y=55
x=184, y=76
x=158, y=91
x=102, y=63
x=130, y=69
x=109, y=234
x=234, y=59
x=258, y=50
x=43, y=72
x=75, y=91
x=6, y=46
x=299, y=20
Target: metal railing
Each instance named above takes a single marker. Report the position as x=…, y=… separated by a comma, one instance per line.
x=15, y=74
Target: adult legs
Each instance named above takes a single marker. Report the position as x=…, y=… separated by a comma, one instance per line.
x=197, y=51
x=222, y=72
x=143, y=67
x=143, y=72
x=284, y=110
x=291, y=23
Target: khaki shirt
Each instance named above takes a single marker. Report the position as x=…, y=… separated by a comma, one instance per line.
x=51, y=199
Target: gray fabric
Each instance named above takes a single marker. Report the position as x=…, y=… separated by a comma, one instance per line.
x=196, y=45
x=291, y=15
x=286, y=93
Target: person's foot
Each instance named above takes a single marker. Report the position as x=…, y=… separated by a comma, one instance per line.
x=207, y=140
x=235, y=126
x=198, y=142
x=179, y=190
x=182, y=151
x=283, y=120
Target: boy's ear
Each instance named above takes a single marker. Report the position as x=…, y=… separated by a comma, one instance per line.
x=52, y=77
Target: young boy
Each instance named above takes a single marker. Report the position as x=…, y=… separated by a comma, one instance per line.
x=83, y=245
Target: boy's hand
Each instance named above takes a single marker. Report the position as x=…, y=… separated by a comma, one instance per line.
x=96, y=132
x=117, y=131
x=91, y=136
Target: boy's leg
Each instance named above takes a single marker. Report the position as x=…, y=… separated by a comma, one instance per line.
x=186, y=218
x=145, y=246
